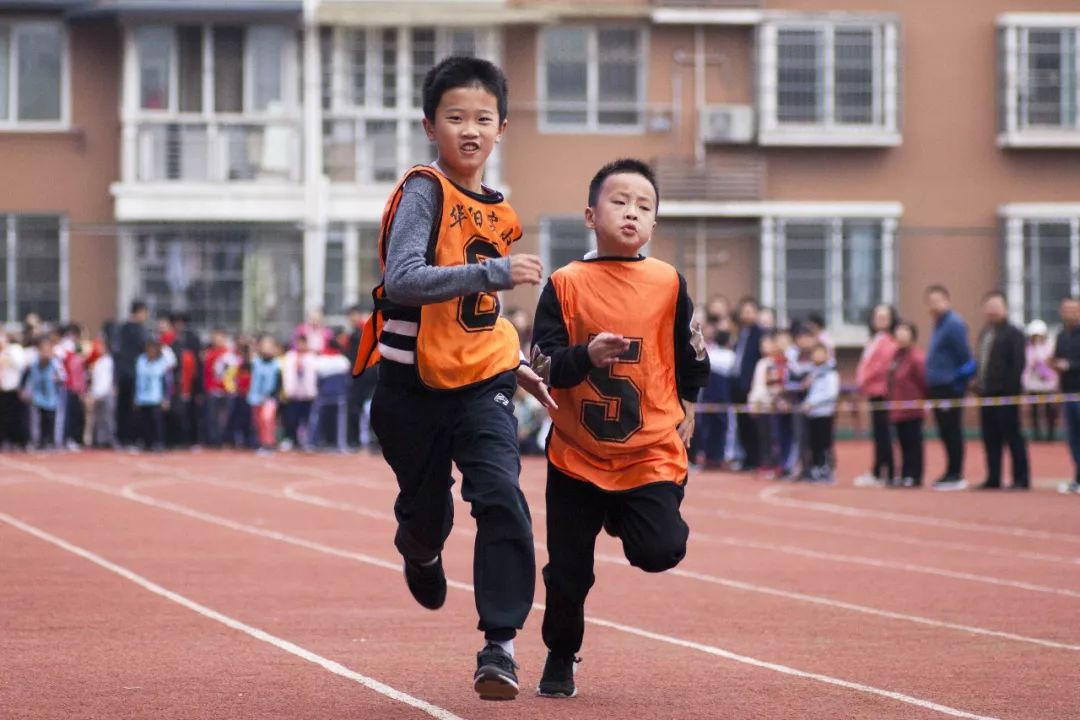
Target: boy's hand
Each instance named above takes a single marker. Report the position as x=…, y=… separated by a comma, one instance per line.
x=606, y=348
x=533, y=384
x=686, y=427
x=1061, y=365
x=526, y=270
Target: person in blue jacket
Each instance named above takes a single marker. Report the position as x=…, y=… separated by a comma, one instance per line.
x=152, y=391
x=43, y=383
x=949, y=367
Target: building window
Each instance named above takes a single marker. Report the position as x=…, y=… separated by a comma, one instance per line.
x=33, y=252
x=33, y=74
x=215, y=103
x=563, y=240
x=1041, y=82
x=1042, y=265
x=829, y=83
x=352, y=268
x=241, y=278
x=592, y=79
x=372, y=92
x=838, y=267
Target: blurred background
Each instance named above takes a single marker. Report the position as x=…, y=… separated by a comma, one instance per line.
x=229, y=160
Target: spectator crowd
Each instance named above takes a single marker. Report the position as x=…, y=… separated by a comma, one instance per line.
x=130, y=388
x=781, y=389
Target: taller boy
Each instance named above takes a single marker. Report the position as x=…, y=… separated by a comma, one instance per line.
x=450, y=364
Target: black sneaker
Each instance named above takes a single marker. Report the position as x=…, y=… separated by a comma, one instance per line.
x=495, y=678
x=427, y=583
x=558, y=678
x=988, y=486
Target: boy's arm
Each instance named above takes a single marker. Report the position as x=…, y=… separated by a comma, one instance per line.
x=409, y=278
x=692, y=362
x=569, y=364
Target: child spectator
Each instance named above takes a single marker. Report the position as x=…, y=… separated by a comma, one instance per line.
x=43, y=391
x=262, y=397
x=332, y=370
x=765, y=391
x=907, y=383
x=237, y=382
x=102, y=396
x=152, y=395
x=1040, y=379
x=800, y=366
x=823, y=390
x=300, y=385
x=13, y=418
x=872, y=377
x=75, y=386
x=815, y=322
x=712, y=427
x=219, y=358
x=530, y=415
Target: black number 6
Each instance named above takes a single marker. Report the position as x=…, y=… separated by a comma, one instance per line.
x=479, y=312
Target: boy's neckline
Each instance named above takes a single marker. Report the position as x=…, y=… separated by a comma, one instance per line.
x=614, y=258
x=486, y=194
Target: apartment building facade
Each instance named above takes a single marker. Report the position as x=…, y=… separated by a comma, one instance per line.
x=821, y=155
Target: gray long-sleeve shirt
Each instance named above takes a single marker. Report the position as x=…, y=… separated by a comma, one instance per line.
x=409, y=279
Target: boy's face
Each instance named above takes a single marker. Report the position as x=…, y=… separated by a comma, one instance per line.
x=624, y=216
x=466, y=128
x=805, y=341
x=820, y=355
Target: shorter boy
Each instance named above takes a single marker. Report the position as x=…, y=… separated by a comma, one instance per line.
x=614, y=333
x=263, y=393
x=103, y=397
x=43, y=390
x=764, y=396
x=152, y=390
x=820, y=409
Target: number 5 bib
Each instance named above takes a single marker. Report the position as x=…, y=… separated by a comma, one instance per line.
x=619, y=428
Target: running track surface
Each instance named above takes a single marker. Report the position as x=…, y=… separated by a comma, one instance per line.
x=225, y=585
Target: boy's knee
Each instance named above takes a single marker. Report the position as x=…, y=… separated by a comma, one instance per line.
x=659, y=556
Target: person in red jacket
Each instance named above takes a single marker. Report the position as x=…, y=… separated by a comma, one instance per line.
x=907, y=382
x=872, y=377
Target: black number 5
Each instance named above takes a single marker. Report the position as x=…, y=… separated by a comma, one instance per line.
x=479, y=312
x=617, y=417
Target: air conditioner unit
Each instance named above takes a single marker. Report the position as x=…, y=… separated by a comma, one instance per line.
x=729, y=124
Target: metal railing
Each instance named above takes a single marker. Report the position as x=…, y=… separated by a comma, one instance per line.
x=717, y=179
x=217, y=151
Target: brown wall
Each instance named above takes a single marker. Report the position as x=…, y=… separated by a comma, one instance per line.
x=69, y=173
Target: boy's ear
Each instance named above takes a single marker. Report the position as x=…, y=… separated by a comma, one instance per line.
x=429, y=129
x=502, y=129
x=590, y=218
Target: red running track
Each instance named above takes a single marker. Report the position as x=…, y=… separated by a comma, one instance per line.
x=224, y=585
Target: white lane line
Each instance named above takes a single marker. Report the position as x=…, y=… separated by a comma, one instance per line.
x=761, y=589
x=629, y=629
x=866, y=561
x=770, y=496
x=885, y=564
x=261, y=635
x=770, y=521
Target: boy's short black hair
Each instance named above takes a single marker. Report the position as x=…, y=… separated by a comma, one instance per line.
x=939, y=290
x=457, y=72
x=137, y=306
x=910, y=326
x=816, y=318
x=622, y=165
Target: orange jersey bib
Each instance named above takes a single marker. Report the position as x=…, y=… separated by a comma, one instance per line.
x=619, y=428
x=463, y=341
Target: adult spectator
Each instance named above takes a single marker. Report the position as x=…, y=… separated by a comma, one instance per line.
x=872, y=377
x=13, y=416
x=1000, y=371
x=1067, y=363
x=315, y=330
x=949, y=366
x=1040, y=379
x=130, y=344
x=747, y=354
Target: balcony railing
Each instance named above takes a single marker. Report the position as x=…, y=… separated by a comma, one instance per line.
x=217, y=151
x=722, y=4
x=727, y=179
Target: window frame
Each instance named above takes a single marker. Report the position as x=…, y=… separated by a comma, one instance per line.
x=9, y=236
x=1014, y=88
x=12, y=123
x=592, y=124
x=883, y=132
x=547, y=223
x=773, y=283
x=404, y=113
x=1014, y=270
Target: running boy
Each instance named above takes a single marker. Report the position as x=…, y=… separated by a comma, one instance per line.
x=450, y=364
x=625, y=367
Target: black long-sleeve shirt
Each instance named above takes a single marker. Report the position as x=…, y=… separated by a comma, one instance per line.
x=570, y=364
